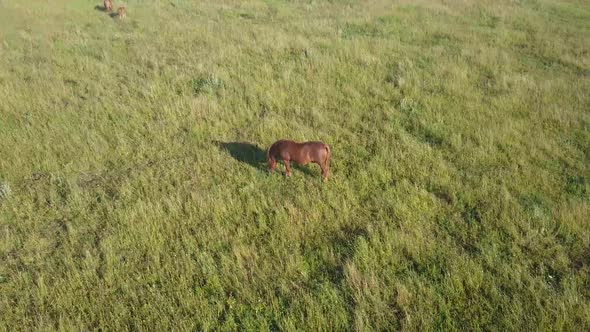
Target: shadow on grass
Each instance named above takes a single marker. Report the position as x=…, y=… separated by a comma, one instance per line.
x=112, y=14
x=245, y=152
x=254, y=156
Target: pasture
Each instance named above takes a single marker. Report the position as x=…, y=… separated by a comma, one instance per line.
x=134, y=193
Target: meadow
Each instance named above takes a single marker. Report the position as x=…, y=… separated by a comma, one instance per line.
x=134, y=193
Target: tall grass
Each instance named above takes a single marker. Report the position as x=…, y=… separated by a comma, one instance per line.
x=134, y=195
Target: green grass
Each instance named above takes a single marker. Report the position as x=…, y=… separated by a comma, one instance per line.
x=460, y=189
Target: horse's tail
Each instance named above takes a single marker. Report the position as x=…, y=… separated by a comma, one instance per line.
x=327, y=160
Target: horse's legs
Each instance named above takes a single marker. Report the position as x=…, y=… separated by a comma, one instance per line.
x=272, y=164
x=325, y=170
x=287, y=167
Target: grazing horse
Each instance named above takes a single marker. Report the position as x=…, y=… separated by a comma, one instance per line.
x=122, y=12
x=300, y=153
x=108, y=5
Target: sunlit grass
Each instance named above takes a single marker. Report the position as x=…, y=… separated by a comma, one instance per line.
x=460, y=186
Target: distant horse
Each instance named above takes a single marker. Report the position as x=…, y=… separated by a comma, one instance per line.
x=108, y=5
x=122, y=11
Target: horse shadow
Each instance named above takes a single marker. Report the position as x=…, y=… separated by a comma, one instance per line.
x=245, y=152
x=112, y=14
x=253, y=155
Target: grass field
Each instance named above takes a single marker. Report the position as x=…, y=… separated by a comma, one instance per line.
x=134, y=193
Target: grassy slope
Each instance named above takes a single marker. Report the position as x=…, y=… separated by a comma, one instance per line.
x=460, y=135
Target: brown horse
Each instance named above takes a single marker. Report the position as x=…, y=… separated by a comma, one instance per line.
x=122, y=12
x=301, y=153
x=108, y=5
